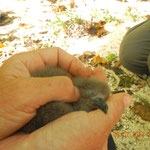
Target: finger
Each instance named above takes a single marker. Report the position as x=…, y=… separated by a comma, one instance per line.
x=64, y=60
x=35, y=60
x=99, y=73
x=38, y=91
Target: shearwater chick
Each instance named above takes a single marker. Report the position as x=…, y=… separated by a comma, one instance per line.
x=93, y=93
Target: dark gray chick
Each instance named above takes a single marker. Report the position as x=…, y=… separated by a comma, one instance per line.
x=93, y=93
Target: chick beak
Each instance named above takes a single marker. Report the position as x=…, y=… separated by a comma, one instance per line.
x=99, y=102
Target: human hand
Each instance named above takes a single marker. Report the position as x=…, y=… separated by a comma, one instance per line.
x=21, y=94
x=19, y=91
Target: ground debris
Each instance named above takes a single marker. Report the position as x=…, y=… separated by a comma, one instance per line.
x=142, y=111
x=97, y=28
x=86, y=56
x=99, y=60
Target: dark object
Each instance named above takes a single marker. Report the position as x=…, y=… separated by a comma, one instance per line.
x=5, y=19
x=120, y=91
x=93, y=93
x=135, y=49
x=111, y=144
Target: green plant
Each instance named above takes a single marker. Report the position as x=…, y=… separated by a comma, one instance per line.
x=78, y=19
x=132, y=13
x=126, y=81
x=59, y=22
x=95, y=12
x=56, y=32
x=111, y=57
x=108, y=17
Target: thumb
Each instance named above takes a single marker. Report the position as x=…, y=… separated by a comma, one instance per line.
x=103, y=123
x=116, y=105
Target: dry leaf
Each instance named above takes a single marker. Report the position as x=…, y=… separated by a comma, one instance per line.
x=104, y=61
x=99, y=60
x=2, y=45
x=72, y=4
x=117, y=64
x=147, y=16
x=53, y=1
x=142, y=111
x=60, y=8
x=100, y=23
x=22, y=24
x=97, y=28
x=36, y=41
x=96, y=60
x=86, y=55
x=127, y=28
x=43, y=32
x=101, y=32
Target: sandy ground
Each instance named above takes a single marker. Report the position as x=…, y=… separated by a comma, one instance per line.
x=35, y=25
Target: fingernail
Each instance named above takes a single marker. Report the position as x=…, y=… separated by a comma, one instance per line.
x=127, y=100
x=77, y=93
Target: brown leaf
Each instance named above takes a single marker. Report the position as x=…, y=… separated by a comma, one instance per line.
x=101, y=32
x=127, y=28
x=117, y=64
x=100, y=23
x=60, y=8
x=96, y=60
x=147, y=16
x=36, y=41
x=142, y=111
x=72, y=4
x=104, y=61
x=43, y=32
x=86, y=55
x=97, y=28
x=99, y=60
x=2, y=45
x=53, y=1
x=22, y=24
